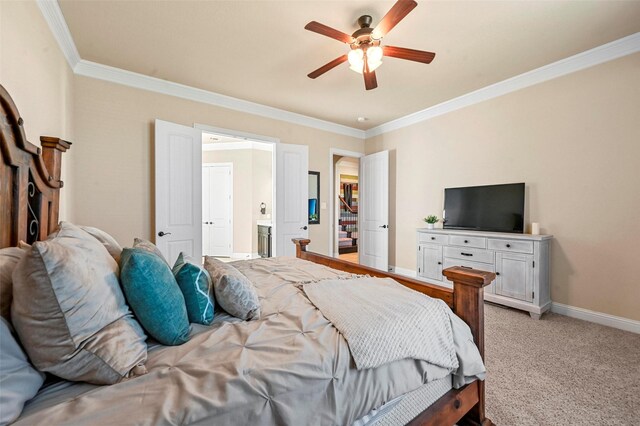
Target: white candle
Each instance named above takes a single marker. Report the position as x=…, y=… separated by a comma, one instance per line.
x=535, y=228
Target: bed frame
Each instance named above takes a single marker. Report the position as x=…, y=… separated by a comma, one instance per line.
x=29, y=205
x=464, y=406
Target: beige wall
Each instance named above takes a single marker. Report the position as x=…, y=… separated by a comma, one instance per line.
x=36, y=75
x=252, y=180
x=114, y=156
x=575, y=141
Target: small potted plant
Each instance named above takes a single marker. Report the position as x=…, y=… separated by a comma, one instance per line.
x=431, y=221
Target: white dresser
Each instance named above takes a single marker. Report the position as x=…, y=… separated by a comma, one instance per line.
x=520, y=261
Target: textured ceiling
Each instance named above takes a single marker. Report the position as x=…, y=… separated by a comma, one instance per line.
x=259, y=51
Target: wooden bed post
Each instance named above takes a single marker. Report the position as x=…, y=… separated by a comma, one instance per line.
x=301, y=245
x=468, y=304
x=52, y=149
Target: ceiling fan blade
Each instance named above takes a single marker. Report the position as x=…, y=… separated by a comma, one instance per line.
x=409, y=54
x=319, y=28
x=393, y=16
x=326, y=67
x=370, y=80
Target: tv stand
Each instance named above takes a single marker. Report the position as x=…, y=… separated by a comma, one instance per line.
x=520, y=261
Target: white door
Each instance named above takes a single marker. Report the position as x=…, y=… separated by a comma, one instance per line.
x=217, y=209
x=178, y=168
x=373, y=207
x=292, y=196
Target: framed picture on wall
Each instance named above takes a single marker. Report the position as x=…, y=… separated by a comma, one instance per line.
x=314, y=198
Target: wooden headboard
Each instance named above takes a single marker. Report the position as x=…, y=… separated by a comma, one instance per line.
x=29, y=179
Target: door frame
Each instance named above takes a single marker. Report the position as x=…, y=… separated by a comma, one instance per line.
x=230, y=165
x=252, y=137
x=332, y=225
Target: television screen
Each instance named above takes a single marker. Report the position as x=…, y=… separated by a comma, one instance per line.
x=498, y=208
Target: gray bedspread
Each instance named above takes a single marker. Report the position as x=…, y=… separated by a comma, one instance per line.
x=291, y=367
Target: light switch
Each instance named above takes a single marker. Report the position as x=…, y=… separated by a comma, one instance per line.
x=323, y=206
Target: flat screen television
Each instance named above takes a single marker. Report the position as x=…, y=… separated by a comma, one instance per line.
x=497, y=208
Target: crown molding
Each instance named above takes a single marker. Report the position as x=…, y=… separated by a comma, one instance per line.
x=153, y=84
x=51, y=12
x=607, y=52
x=53, y=15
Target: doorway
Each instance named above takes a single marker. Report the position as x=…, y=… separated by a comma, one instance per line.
x=345, y=223
x=238, y=196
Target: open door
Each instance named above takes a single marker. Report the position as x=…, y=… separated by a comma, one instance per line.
x=292, y=196
x=374, y=210
x=178, y=171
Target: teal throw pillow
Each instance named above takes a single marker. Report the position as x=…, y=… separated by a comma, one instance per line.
x=154, y=296
x=195, y=283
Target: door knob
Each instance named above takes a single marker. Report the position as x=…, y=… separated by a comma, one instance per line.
x=304, y=227
x=383, y=226
x=162, y=234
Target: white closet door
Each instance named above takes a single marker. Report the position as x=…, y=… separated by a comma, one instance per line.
x=178, y=189
x=373, y=207
x=292, y=196
x=218, y=210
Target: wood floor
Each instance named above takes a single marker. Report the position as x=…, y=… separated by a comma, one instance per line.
x=349, y=257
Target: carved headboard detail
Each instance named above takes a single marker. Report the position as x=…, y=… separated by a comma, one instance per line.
x=29, y=179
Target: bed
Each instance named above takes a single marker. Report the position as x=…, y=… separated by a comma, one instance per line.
x=290, y=367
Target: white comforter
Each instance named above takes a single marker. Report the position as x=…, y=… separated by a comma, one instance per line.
x=384, y=321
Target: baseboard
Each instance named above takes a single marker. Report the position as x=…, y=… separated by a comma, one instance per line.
x=402, y=271
x=596, y=317
x=567, y=310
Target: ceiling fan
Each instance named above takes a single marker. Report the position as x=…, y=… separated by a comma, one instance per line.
x=366, y=52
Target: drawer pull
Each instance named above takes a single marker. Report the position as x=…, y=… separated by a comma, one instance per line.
x=433, y=238
x=466, y=267
x=439, y=263
x=508, y=245
x=466, y=241
x=466, y=254
x=497, y=273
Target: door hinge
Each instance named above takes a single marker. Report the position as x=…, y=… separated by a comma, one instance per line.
x=533, y=294
x=534, y=263
x=419, y=270
x=419, y=248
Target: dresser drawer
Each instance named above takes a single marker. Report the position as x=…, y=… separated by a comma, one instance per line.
x=474, y=255
x=461, y=240
x=449, y=262
x=433, y=238
x=516, y=246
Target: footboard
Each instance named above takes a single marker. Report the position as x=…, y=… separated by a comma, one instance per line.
x=462, y=406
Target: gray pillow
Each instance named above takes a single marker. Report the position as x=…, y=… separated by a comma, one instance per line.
x=19, y=380
x=233, y=291
x=141, y=243
x=112, y=246
x=9, y=258
x=70, y=313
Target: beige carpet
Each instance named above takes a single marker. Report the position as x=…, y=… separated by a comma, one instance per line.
x=559, y=371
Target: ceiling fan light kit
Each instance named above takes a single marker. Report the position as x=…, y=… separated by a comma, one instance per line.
x=366, y=52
